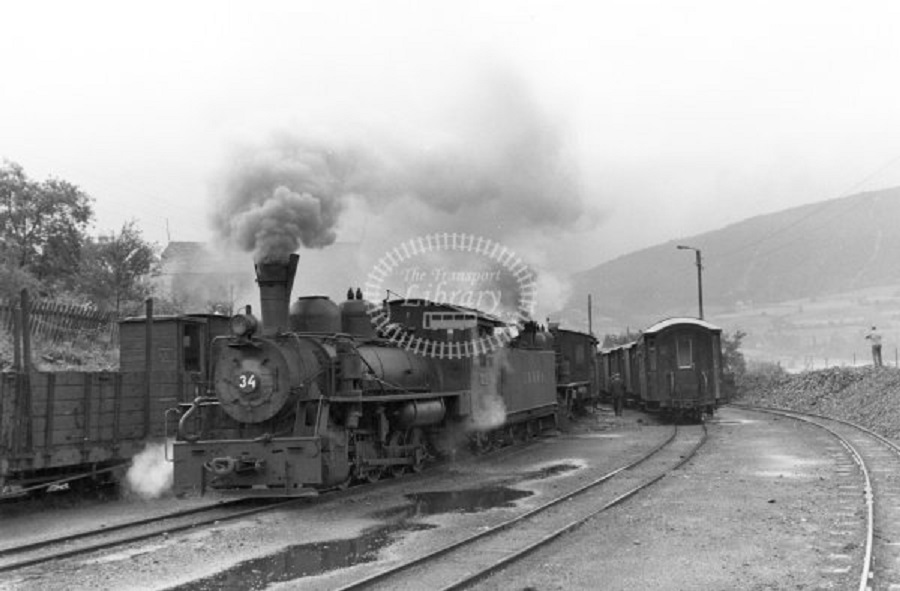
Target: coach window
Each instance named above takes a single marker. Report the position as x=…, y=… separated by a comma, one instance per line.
x=684, y=351
x=651, y=353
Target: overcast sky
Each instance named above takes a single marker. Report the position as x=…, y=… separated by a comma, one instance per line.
x=674, y=117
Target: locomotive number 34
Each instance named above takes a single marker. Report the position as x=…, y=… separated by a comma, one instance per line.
x=247, y=382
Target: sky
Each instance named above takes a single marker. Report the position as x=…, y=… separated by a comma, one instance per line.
x=623, y=123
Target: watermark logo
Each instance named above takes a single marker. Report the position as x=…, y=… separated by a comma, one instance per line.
x=442, y=286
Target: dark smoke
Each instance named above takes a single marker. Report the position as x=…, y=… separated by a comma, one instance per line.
x=289, y=194
x=497, y=166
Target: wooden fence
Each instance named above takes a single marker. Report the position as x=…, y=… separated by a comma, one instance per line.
x=56, y=323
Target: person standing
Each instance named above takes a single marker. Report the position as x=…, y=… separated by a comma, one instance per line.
x=875, y=338
x=617, y=386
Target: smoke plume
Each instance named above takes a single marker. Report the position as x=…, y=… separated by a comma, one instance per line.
x=495, y=165
x=277, y=198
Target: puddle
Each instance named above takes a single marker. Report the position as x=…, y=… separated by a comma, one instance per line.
x=731, y=421
x=774, y=474
x=465, y=501
x=784, y=461
x=473, y=500
x=548, y=472
x=305, y=560
x=597, y=436
x=308, y=560
x=788, y=466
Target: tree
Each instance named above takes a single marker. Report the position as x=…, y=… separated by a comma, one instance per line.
x=42, y=224
x=13, y=280
x=733, y=362
x=114, y=268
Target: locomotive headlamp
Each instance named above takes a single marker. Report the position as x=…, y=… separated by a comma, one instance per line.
x=243, y=325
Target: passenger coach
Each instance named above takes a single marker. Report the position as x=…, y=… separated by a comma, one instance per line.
x=674, y=367
x=680, y=367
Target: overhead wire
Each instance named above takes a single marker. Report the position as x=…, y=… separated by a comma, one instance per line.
x=817, y=209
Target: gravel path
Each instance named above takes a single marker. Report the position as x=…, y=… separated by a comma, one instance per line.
x=761, y=507
x=598, y=443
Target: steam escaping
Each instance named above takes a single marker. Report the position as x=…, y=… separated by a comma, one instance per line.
x=150, y=474
x=488, y=407
x=488, y=412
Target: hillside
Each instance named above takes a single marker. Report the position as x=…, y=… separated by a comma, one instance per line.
x=804, y=282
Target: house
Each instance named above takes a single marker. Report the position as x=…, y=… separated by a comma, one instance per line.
x=199, y=278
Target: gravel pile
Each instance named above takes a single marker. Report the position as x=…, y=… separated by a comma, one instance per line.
x=865, y=395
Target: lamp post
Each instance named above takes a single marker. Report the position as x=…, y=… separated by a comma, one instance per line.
x=699, y=274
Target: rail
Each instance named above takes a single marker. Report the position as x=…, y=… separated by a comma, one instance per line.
x=865, y=575
x=384, y=578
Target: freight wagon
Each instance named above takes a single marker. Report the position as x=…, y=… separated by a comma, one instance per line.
x=576, y=367
x=67, y=426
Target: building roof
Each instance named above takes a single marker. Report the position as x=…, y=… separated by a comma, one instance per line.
x=182, y=250
x=575, y=332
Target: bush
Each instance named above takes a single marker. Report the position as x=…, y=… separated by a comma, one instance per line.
x=78, y=356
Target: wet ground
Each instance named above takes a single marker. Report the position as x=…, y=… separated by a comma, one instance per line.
x=767, y=504
x=322, y=543
x=308, y=560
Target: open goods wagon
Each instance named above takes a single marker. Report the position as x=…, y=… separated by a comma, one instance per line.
x=65, y=426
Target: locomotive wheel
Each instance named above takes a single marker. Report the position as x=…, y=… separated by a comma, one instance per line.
x=397, y=439
x=488, y=441
x=417, y=438
x=373, y=475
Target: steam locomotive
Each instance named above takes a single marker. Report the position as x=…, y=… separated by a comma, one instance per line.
x=314, y=397
x=319, y=395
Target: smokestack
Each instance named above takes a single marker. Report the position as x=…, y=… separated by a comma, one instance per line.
x=275, y=279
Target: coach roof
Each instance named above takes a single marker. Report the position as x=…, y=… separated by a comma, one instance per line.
x=669, y=322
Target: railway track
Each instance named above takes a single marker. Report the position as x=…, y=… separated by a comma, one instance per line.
x=878, y=459
x=26, y=555
x=84, y=542
x=479, y=554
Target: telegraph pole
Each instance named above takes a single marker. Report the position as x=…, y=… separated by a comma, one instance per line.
x=699, y=257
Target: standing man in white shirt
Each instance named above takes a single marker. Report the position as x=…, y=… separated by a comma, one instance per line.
x=875, y=337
